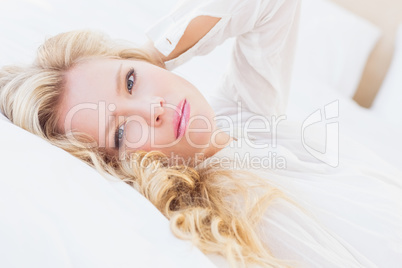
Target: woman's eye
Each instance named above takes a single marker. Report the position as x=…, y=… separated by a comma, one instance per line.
x=118, y=137
x=131, y=78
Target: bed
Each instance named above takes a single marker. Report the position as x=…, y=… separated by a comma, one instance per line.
x=55, y=211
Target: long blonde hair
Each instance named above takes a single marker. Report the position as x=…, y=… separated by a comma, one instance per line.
x=197, y=201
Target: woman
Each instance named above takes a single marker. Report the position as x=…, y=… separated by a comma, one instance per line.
x=116, y=108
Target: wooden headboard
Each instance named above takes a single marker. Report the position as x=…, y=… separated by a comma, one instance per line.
x=387, y=15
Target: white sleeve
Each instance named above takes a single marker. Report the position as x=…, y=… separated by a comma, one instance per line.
x=260, y=68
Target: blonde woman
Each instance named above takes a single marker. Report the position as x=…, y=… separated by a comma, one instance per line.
x=122, y=111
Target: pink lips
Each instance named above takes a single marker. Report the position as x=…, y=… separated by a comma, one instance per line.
x=181, y=118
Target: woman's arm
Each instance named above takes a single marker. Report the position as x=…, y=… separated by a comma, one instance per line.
x=265, y=31
x=195, y=30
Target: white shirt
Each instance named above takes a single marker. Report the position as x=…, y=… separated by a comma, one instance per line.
x=356, y=208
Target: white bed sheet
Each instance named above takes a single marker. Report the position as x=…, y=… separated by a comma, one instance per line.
x=56, y=211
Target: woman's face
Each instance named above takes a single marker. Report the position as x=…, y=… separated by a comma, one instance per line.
x=129, y=105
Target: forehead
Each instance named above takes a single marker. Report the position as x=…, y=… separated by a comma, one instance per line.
x=91, y=80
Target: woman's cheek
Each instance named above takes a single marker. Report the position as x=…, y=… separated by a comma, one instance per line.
x=137, y=136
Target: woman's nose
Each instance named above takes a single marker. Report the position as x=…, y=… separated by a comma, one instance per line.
x=157, y=111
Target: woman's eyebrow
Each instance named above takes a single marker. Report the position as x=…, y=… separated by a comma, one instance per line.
x=118, y=79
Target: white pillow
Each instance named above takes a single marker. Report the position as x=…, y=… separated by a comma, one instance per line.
x=388, y=101
x=56, y=211
x=334, y=45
